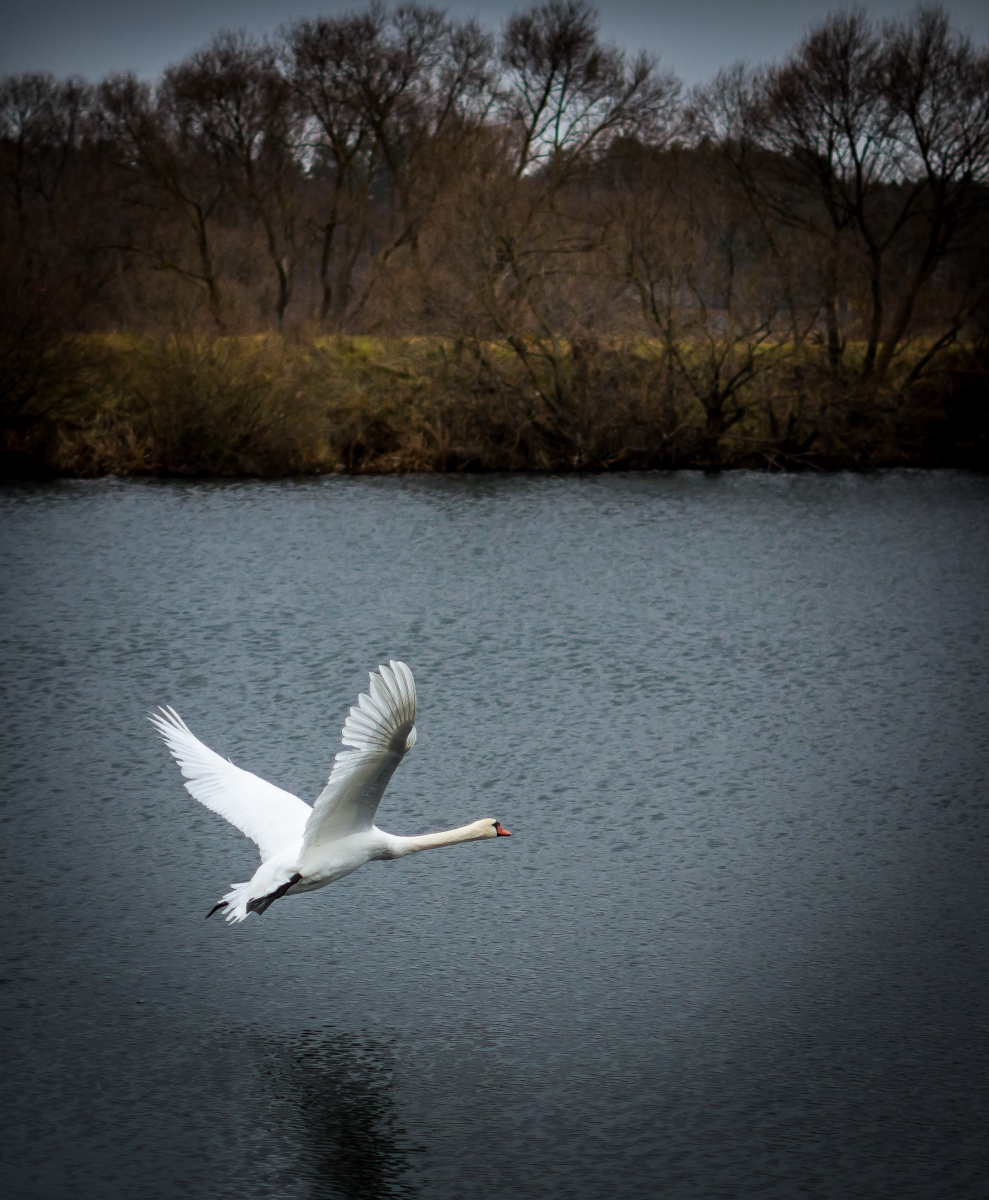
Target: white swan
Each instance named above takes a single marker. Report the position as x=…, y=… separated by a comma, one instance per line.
x=305, y=848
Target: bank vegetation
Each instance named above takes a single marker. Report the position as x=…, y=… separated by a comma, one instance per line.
x=389, y=240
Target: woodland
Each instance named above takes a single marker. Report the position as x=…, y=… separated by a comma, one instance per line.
x=395, y=241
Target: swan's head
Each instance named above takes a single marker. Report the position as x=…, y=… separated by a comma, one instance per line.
x=497, y=829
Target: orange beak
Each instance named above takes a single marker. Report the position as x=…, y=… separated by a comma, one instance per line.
x=501, y=831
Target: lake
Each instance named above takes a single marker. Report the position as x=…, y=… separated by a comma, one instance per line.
x=738, y=945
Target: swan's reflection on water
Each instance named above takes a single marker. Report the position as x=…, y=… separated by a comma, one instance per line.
x=331, y=1095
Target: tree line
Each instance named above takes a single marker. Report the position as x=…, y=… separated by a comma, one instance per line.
x=787, y=252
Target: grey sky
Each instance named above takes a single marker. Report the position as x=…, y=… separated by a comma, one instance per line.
x=692, y=37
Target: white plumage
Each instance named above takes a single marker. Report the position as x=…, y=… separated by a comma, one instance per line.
x=257, y=808
x=305, y=848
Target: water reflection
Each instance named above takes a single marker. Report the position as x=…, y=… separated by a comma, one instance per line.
x=332, y=1092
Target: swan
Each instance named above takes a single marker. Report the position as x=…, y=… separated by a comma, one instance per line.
x=305, y=848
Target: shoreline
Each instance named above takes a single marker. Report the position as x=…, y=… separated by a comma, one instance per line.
x=872, y=471
x=270, y=406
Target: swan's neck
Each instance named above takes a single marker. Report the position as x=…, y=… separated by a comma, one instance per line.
x=401, y=846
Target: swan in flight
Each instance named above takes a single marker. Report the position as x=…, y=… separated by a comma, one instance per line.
x=305, y=848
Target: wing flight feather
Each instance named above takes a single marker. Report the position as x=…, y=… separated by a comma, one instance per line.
x=379, y=730
x=267, y=815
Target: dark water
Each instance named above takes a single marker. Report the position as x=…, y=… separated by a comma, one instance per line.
x=737, y=946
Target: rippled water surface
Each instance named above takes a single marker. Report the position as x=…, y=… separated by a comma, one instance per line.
x=737, y=945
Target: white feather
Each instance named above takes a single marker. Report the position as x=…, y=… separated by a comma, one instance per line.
x=380, y=728
x=269, y=816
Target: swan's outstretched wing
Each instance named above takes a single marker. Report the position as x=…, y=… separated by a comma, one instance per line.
x=380, y=728
x=268, y=816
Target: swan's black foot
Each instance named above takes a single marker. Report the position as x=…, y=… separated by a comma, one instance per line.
x=265, y=902
x=216, y=908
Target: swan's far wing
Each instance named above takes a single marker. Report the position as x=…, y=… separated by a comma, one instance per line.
x=380, y=728
x=270, y=817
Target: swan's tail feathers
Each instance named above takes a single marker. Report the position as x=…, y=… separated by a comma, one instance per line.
x=239, y=902
x=236, y=902
x=263, y=903
x=384, y=719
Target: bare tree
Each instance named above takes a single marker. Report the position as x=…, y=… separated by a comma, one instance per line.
x=726, y=114
x=42, y=123
x=706, y=285
x=387, y=94
x=538, y=223
x=869, y=141
x=937, y=87
x=565, y=95
x=236, y=104
x=338, y=145
x=164, y=176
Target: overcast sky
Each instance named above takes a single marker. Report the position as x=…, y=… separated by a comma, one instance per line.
x=692, y=37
